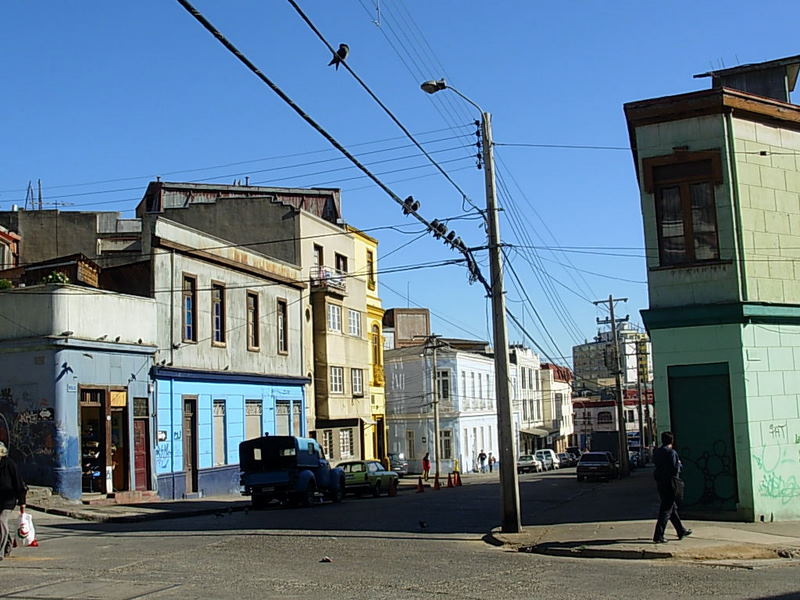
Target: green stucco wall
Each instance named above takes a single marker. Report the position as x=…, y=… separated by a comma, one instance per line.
x=700, y=284
x=764, y=368
x=769, y=196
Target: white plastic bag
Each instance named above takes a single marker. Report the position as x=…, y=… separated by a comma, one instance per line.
x=26, y=534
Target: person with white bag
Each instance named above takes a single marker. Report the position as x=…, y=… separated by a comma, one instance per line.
x=13, y=491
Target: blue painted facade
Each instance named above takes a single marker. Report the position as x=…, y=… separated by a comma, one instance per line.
x=173, y=385
x=40, y=383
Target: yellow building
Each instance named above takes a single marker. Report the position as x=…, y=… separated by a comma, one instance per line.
x=366, y=267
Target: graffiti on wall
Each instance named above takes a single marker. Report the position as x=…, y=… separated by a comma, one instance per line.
x=777, y=464
x=162, y=456
x=27, y=427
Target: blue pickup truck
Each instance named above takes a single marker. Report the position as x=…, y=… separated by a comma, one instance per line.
x=288, y=469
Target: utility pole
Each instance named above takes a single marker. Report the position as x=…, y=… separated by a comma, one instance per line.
x=509, y=483
x=639, y=396
x=435, y=396
x=623, y=437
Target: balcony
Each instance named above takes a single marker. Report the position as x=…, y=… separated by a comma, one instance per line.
x=328, y=279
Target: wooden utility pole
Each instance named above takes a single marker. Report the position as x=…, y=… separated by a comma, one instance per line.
x=623, y=436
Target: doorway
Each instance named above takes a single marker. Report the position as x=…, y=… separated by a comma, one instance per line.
x=141, y=444
x=93, y=441
x=701, y=417
x=190, y=444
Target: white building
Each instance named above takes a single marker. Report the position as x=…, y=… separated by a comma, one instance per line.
x=467, y=407
x=557, y=402
x=527, y=399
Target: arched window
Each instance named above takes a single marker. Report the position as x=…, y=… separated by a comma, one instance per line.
x=376, y=345
x=604, y=417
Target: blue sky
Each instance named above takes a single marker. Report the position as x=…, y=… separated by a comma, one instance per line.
x=100, y=97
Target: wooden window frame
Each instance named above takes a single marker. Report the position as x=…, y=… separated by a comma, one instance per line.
x=192, y=294
x=360, y=392
x=282, y=322
x=371, y=284
x=657, y=178
x=255, y=321
x=218, y=286
x=328, y=317
x=330, y=380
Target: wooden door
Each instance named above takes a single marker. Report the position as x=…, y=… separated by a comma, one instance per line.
x=141, y=454
x=190, y=443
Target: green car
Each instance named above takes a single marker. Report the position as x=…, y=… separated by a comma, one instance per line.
x=362, y=476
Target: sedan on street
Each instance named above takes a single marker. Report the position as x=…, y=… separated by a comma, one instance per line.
x=527, y=463
x=596, y=465
x=368, y=476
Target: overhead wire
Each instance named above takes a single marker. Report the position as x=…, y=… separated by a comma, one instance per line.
x=380, y=103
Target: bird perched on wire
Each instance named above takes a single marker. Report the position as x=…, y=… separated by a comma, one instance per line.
x=340, y=55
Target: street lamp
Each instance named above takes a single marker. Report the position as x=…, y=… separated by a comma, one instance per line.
x=509, y=483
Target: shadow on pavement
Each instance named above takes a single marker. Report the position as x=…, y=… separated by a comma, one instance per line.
x=550, y=498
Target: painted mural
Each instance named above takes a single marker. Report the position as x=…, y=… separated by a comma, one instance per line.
x=28, y=428
x=776, y=468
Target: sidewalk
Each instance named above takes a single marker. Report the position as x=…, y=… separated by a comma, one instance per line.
x=710, y=540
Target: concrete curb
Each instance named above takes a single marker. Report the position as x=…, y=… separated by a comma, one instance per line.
x=99, y=517
x=712, y=551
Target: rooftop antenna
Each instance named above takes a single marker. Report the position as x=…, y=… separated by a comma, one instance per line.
x=29, y=196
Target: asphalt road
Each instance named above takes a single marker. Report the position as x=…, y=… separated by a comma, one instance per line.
x=411, y=546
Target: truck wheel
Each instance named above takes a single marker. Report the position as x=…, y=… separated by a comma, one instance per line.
x=393, y=487
x=337, y=495
x=307, y=497
x=376, y=489
x=260, y=501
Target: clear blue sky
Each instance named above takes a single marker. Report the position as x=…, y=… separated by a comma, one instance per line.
x=100, y=97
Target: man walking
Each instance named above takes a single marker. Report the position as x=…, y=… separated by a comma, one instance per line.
x=12, y=492
x=482, y=461
x=670, y=488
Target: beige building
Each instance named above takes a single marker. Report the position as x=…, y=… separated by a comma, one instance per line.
x=366, y=267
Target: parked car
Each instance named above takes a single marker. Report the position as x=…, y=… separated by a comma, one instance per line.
x=596, y=465
x=362, y=476
x=398, y=464
x=527, y=463
x=566, y=460
x=288, y=469
x=548, y=458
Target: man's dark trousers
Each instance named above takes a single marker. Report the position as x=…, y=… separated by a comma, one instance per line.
x=668, y=511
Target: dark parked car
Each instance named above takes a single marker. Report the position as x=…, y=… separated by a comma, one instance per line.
x=596, y=465
x=288, y=469
x=368, y=476
x=566, y=460
x=398, y=464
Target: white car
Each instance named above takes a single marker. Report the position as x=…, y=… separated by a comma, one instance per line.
x=548, y=458
x=527, y=463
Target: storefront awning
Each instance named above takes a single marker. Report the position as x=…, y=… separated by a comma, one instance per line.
x=535, y=431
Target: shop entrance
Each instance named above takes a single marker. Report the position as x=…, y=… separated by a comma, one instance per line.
x=104, y=440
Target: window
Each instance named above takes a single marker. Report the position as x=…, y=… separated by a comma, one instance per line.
x=480, y=388
x=443, y=384
x=319, y=258
x=218, y=313
x=446, y=444
x=334, y=317
x=523, y=378
x=337, y=380
x=370, y=269
x=252, y=321
x=357, y=377
x=354, y=322
x=327, y=442
x=283, y=417
x=604, y=416
x=376, y=345
x=630, y=416
x=220, y=437
x=683, y=188
x=463, y=386
x=346, y=443
x=189, y=300
x=411, y=444
x=297, y=418
x=283, y=327
x=472, y=383
x=341, y=263
x=253, y=410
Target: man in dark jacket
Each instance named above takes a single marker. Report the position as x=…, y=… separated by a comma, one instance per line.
x=668, y=468
x=12, y=492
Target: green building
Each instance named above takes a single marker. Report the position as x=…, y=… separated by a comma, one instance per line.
x=719, y=177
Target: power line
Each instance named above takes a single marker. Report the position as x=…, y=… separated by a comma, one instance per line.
x=382, y=105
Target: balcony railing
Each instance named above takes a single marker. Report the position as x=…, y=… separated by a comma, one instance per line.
x=328, y=278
